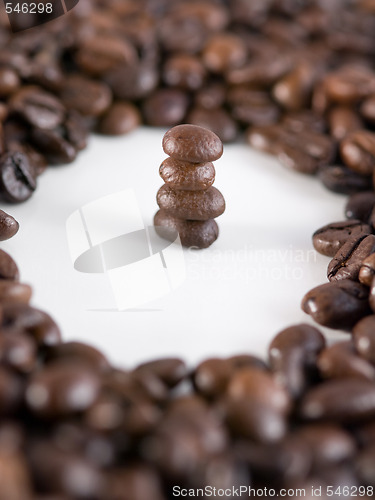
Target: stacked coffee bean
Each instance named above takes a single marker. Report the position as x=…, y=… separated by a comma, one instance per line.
x=188, y=202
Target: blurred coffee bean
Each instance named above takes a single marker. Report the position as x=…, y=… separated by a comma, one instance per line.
x=365, y=466
x=342, y=121
x=330, y=238
x=304, y=120
x=367, y=109
x=252, y=106
x=38, y=162
x=121, y=118
x=211, y=96
x=134, y=82
x=348, y=260
x=358, y=151
x=16, y=483
x=18, y=351
x=8, y=268
x=170, y=370
x=224, y=52
x=364, y=338
x=88, y=97
x=79, y=353
x=12, y=291
x=184, y=71
x=54, y=146
x=216, y=120
x=17, y=182
x=137, y=482
x=8, y=226
x=343, y=180
x=349, y=84
x=360, y=205
x=9, y=82
x=211, y=377
x=165, y=108
x=293, y=90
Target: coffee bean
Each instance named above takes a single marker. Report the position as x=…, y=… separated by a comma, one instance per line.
x=367, y=109
x=293, y=90
x=342, y=361
x=340, y=179
x=133, y=82
x=9, y=82
x=212, y=376
x=17, y=182
x=372, y=295
x=347, y=262
x=342, y=121
x=224, y=52
x=8, y=226
x=192, y=144
x=330, y=238
x=337, y=304
x=364, y=338
x=359, y=206
x=88, y=97
x=264, y=138
x=247, y=360
x=165, y=108
x=170, y=370
x=39, y=108
x=358, y=151
x=77, y=352
x=191, y=205
x=140, y=482
x=54, y=146
x=12, y=291
x=304, y=120
x=216, y=120
x=367, y=270
x=349, y=84
x=343, y=400
x=186, y=176
x=15, y=477
x=184, y=71
x=62, y=389
x=18, y=351
x=364, y=466
x=252, y=107
x=38, y=162
x=211, y=96
x=121, y=118
x=8, y=268
x=193, y=233
x=75, y=129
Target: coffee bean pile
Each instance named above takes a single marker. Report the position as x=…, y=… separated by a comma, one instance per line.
x=188, y=202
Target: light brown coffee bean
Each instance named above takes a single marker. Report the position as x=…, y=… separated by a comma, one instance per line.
x=187, y=176
x=8, y=226
x=343, y=120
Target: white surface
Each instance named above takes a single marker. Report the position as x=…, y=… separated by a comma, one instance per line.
x=237, y=294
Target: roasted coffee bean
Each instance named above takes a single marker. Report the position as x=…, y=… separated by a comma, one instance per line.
x=252, y=107
x=191, y=205
x=367, y=270
x=224, y=52
x=121, y=118
x=304, y=120
x=293, y=354
x=342, y=121
x=367, y=109
x=75, y=129
x=264, y=138
x=37, y=161
x=372, y=295
x=17, y=182
x=359, y=206
x=12, y=291
x=330, y=238
x=193, y=233
x=77, y=352
x=9, y=82
x=11, y=391
x=88, y=97
x=133, y=82
x=214, y=17
x=343, y=400
x=343, y=180
x=8, y=226
x=338, y=304
x=348, y=260
x=212, y=376
x=62, y=389
x=342, y=361
x=293, y=90
x=140, y=482
x=192, y=144
x=54, y=146
x=247, y=360
x=358, y=151
x=18, y=351
x=39, y=108
x=211, y=96
x=364, y=466
x=8, y=268
x=218, y=121
x=349, y=84
x=364, y=338
x=165, y=108
x=186, y=176
x=258, y=387
x=179, y=33
x=184, y=71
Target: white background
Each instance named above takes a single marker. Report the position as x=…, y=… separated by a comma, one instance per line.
x=238, y=293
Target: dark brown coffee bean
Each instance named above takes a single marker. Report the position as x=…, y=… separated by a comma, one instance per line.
x=367, y=109
x=62, y=389
x=165, y=107
x=343, y=180
x=264, y=138
x=133, y=82
x=75, y=129
x=121, y=118
x=8, y=226
x=348, y=260
x=364, y=466
x=364, y=338
x=350, y=84
x=342, y=361
x=342, y=121
x=11, y=291
x=329, y=239
x=79, y=353
x=187, y=176
x=193, y=233
x=39, y=108
x=37, y=161
x=184, y=71
x=337, y=304
x=247, y=361
x=140, y=482
x=293, y=90
x=192, y=144
x=212, y=376
x=17, y=182
x=224, y=52
x=54, y=146
x=8, y=268
x=359, y=206
x=179, y=33
x=259, y=387
x=217, y=120
x=18, y=351
x=367, y=270
x=344, y=400
x=11, y=391
x=358, y=151
x=9, y=82
x=214, y=17
x=304, y=120
x=88, y=97
x=211, y=96
x=328, y=444
x=191, y=205
x=293, y=354
x=252, y=107
x=170, y=370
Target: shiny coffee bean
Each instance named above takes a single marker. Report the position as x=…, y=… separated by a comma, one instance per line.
x=342, y=361
x=211, y=96
x=187, y=176
x=75, y=130
x=293, y=90
x=218, y=121
x=342, y=121
x=247, y=360
x=360, y=205
x=8, y=268
x=358, y=151
x=18, y=351
x=193, y=233
x=77, y=352
x=88, y=97
x=17, y=182
x=211, y=377
x=192, y=144
x=62, y=389
x=343, y=400
x=330, y=238
x=184, y=71
x=343, y=180
x=372, y=295
x=16, y=483
x=191, y=205
x=8, y=226
x=170, y=370
x=348, y=260
x=54, y=146
x=304, y=120
x=165, y=108
x=338, y=304
x=349, y=84
x=264, y=138
x=293, y=354
x=364, y=338
x=133, y=82
x=367, y=270
x=121, y=118
x=224, y=52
